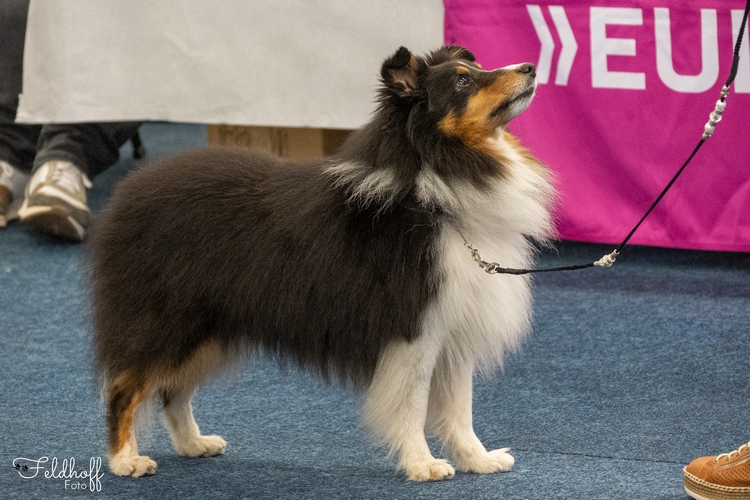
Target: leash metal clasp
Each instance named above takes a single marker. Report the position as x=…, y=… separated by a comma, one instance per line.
x=607, y=260
x=489, y=267
x=476, y=256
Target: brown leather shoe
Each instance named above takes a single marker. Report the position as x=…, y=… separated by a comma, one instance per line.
x=724, y=477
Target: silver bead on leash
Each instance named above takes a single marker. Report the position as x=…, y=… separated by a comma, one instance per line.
x=715, y=116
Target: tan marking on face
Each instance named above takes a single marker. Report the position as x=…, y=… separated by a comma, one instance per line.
x=475, y=125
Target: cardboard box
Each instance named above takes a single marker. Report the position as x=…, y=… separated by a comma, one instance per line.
x=297, y=144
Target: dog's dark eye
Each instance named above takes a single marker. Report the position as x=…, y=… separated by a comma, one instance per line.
x=462, y=81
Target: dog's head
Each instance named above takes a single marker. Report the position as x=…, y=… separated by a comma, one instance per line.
x=448, y=89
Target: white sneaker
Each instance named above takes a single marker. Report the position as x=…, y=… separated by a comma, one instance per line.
x=56, y=200
x=12, y=184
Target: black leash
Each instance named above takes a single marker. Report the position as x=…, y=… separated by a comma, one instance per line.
x=609, y=259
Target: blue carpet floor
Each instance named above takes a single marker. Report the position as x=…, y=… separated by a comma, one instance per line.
x=630, y=373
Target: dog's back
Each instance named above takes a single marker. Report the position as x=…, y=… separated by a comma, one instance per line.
x=249, y=251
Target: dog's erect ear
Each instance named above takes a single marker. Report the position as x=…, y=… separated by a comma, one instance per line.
x=449, y=53
x=400, y=72
x=458, y=52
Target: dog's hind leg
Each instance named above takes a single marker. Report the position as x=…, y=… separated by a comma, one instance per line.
x=396, y=406
x=178, y=410
x=450, y=417
x=186, y=436
x=125, y=393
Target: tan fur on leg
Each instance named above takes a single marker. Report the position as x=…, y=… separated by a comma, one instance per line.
x=178, y=411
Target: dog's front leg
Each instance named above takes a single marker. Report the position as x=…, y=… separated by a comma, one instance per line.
x=450, y=417
x=396, y=406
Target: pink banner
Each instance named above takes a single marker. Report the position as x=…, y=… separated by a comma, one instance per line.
x=625, y=90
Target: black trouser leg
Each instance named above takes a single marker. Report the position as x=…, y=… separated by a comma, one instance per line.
x=93, y=147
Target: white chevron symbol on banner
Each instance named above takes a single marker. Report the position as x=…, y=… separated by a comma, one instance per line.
x=569, y=45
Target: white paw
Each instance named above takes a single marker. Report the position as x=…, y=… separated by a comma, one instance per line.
x=202, y=446
x=431, y=470
x=488, y=462
x=132, y=465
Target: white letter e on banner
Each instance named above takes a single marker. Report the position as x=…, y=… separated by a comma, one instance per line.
x=601, y=47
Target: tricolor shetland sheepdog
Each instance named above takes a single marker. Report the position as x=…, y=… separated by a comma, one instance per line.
x=353, y=267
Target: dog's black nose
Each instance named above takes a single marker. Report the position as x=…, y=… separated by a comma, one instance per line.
x=527, y=69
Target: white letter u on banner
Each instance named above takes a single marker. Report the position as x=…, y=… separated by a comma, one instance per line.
x=709, y=54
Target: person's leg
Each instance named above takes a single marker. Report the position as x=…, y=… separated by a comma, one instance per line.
x=17, y=148
x=68, y=156
x=12, y=32
x=17, y=142
x=92, y=147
